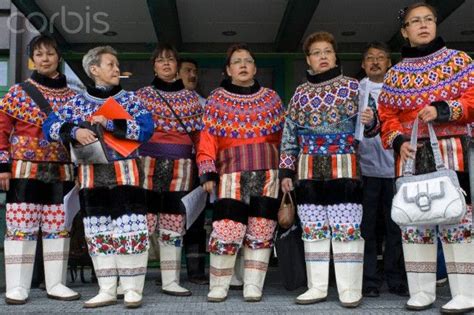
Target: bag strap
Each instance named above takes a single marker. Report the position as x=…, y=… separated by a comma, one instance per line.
x=37, y=97
x=287, y=196
x=409, y=167
x=175, y=115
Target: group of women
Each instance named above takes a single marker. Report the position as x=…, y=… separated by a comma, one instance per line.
x=244, y=146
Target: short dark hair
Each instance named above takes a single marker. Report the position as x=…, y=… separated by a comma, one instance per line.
x=377, y=45
x=403, y=13
x=322, y=36
x=233, y=48
x=160, y=49
x=42, y=40
x=189, y=60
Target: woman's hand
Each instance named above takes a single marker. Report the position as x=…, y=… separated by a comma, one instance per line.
x=5, y=181
x=209, y=186
x=85, y=136
x=406, y=152
x=286, y=185
x=427, y=114
x=99, y=120
x=367, y=116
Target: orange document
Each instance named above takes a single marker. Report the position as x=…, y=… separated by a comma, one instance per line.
x=111, y=109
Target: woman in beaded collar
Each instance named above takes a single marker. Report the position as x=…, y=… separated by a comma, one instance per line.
x=239, y=149
x=318, y=150
x=435, y=84
x=30, y=168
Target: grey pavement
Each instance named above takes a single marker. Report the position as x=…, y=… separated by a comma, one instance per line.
x=276, y=300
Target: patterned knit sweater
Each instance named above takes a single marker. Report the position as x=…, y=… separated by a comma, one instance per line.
x=429, y=75
x=21, y=119
x=169, y=139
x=60, y=126
x=320, y=120
x=242, y=130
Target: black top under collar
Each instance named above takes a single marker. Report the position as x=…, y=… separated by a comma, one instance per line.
x=168, y=86
x=243, y=90
x=425, y=50
x=57, y=83
x=325, y=76
x=101, y=93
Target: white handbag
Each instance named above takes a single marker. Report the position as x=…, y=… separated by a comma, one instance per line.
x=428, y=199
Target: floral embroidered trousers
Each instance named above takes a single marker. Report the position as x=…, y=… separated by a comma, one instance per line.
x=115, y=221
x=245, y=212
x=35, y=200
x=329, y=209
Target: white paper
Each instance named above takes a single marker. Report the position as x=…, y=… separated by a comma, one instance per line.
x=363, y=102
x=3, y=73
x=213, y=196
x=194, y=202
x=71, y=206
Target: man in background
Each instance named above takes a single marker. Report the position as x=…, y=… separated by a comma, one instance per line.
x=195, y=237
x=378, y=173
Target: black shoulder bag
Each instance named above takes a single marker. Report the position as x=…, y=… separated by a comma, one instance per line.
x=177, y=117
x=37, y=97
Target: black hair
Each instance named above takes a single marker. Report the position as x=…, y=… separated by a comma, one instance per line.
x=42, y=40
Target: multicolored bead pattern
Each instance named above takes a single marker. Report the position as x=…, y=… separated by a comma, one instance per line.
x=243, y=116
x=448, y=234
x=320, y=120
x=16, y=103
x=29, y=144
x=340, y=221
x=416, y=82
x=185, y=103
x=83, y=106
x=124, y=235
x=36, y=149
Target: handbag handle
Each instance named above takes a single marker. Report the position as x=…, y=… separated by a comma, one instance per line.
x=409, y=167
x=286, y=196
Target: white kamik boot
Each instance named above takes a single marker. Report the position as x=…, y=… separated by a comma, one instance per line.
x=317, y=271
x=132, y=272
x=420, y=264
x=55, y=253
x=170, y=265
x=220, y=273
x=19, y=261
x=256, y=266
x=106, y=271
x=460, y=262
x=349, y=267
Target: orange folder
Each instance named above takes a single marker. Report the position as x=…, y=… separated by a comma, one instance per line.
x=111, y=109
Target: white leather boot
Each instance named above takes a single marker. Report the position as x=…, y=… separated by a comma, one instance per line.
x=317, y=271
x=55, y=253
x=420, y=264
x=132, y=272
x=220, y=273
x=237, y=281
x=349, y=267
x=255, y=270
x=170, y=265
x=459, y=261
x=106, y=271
x=19, y=261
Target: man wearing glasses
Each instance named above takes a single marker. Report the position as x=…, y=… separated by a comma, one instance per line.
x=377, y=167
